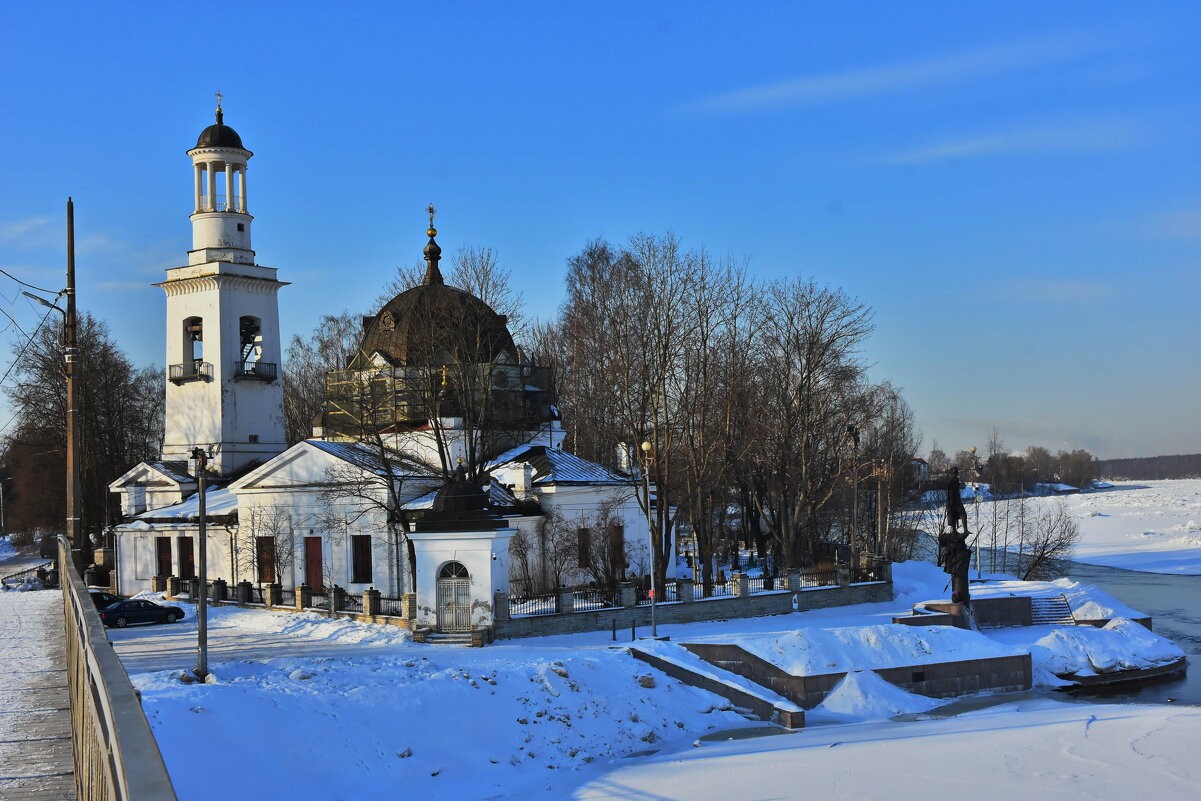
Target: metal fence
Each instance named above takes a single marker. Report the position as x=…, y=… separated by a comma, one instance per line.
x=818, y=578
x=586, y=600
x=391, y=607
x=764, y=584
x=352, y=603
x=542, y=603
x=318, y=602
x=287, y=597
x=29, y=573
x=116, y=756
x=724, y=589
x=869, y=573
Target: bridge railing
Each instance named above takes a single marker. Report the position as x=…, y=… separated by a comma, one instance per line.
x=116, y=756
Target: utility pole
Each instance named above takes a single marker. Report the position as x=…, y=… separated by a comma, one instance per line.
x=71, y=367
x=853, y=433
x=202, y=631
x=651, y=527
x=881, y=498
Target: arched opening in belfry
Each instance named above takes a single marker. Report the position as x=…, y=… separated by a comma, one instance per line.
x=193, y=340
x=250, y=335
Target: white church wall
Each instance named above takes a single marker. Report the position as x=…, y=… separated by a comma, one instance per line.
x=579, y=505
x=137, y=554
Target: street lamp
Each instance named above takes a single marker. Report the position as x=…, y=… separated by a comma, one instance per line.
x=650, y=528
x=202, y=630
x=976, y=498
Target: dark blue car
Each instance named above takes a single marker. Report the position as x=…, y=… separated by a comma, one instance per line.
x=125, y=613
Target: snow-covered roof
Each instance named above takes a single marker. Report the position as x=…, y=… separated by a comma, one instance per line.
x=173, y=472
x=364, y=456
x=555, y=466
x=498, y=496
x=218, y=503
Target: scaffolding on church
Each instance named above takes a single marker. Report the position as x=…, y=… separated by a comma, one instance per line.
x=387, y=398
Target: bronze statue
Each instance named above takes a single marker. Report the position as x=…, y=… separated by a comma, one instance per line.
x=955, y=509
x=954, y=555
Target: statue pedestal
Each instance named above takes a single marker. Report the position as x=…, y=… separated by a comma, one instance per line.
x=960, y=615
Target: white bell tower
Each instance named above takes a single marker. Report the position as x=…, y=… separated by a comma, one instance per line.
x=223, y=354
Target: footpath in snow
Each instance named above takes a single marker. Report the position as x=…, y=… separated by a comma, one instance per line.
x=35, y=729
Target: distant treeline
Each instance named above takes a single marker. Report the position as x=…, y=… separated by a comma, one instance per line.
x=1183, y=466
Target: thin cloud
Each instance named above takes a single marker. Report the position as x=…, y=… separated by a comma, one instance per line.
x=14, y=230
x=808, y=90
x=1178, y=224
x=1059, y=138
x=1054, y=290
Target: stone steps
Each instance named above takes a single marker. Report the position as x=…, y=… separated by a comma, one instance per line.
x=1051, y=611
x=437, y=638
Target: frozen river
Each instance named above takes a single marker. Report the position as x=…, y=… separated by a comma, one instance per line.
x=1174, y=603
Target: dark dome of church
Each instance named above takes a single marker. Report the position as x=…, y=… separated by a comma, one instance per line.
x=219, y=135
x=461, y=505
x=460, y=496
x=433, y=322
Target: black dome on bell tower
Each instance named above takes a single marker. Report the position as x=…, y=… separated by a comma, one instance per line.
x=219, y=135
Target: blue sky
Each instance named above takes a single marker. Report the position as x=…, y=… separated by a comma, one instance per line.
x=1015, y=188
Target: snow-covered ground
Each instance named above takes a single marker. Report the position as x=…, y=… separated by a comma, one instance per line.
x=1153, y=526
x=1028, y=750
x=345, y=710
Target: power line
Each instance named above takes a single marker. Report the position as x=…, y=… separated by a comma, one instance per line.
x=17, y=361
x=31, y=286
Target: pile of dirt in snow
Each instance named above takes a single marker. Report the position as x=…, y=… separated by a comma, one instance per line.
x=864, y=695
x=1088, y=651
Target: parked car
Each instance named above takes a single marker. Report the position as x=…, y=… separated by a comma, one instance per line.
x=123, y=613
x=103, y=599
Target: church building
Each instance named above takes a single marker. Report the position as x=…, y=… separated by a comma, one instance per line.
x=436, y=469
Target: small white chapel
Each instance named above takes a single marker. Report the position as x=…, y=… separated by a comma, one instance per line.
x=436, y=470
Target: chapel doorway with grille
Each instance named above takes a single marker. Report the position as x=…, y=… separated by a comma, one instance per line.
x=454, y=598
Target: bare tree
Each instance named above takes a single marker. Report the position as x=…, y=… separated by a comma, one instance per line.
x=810, y=393
x=559, y=548
x=121, y=408
x=937, y=461
x=601, y=550
x=265, y=543
x=331, y=346
x=1054, y=534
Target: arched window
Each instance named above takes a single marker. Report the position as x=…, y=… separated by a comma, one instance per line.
x=453, y=570
x=193, y=339
x=250, y=333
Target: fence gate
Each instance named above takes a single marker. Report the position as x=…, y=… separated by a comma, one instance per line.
x=454, y=598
